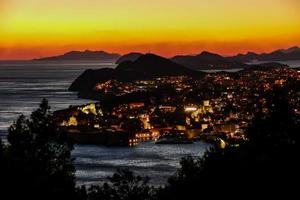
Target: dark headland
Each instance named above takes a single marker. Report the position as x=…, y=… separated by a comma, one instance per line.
x=145, y=67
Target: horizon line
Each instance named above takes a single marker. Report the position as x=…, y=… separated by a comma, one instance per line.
x=145, y=52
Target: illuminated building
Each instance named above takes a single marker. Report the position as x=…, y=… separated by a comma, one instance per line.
x=71, y=122
x=180, y=127
x=190, y=108
x=145, y=120
x=188, y=121
x=206, y=103
x=91, y=109
x=204, y=126
x=226, y=128
x=167, y=108
x=136, y=105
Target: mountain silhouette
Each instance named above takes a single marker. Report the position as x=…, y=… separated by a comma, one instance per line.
x=290, y=50
x=202, y=61
x=129, y=57
x=153, y=65
x=147, y=66
x=84, y=55
x=292, y=53
x=206, y=61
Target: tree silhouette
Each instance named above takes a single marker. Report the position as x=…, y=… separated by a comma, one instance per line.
x=39, y=158
x=276, y=129
x=2, y=166
x=123, y=185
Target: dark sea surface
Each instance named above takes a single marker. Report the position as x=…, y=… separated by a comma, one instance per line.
x=95, y=163
x=24, y=83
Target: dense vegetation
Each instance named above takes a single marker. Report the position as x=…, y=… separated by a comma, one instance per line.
x=36, y=163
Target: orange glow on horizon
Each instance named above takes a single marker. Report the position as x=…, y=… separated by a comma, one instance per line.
x=38, y=28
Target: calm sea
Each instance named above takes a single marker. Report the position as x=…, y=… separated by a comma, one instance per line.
x=24, y=83
x=22, y=86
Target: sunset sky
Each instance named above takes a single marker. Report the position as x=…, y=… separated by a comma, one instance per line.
x=36, y=28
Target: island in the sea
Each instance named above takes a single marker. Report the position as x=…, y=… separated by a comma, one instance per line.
x=83, y=55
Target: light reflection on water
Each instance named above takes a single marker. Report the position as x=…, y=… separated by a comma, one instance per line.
x=95, y=163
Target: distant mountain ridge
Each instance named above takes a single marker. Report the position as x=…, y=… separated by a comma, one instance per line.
x=203, y=61
x=292, y=53
x=207, y=61
x=84, y=55
x=212, y=61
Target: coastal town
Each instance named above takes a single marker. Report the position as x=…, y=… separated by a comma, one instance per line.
x=149, y=99
x=178, y=109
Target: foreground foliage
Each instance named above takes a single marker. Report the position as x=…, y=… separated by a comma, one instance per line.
x=123, y=185
x=37, y=161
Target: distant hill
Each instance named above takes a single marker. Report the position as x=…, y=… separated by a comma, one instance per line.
x=145, y=67
x=151, y=65
x=292, y=53
x=84, y=55
x=207, y=61
x=129, y=57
